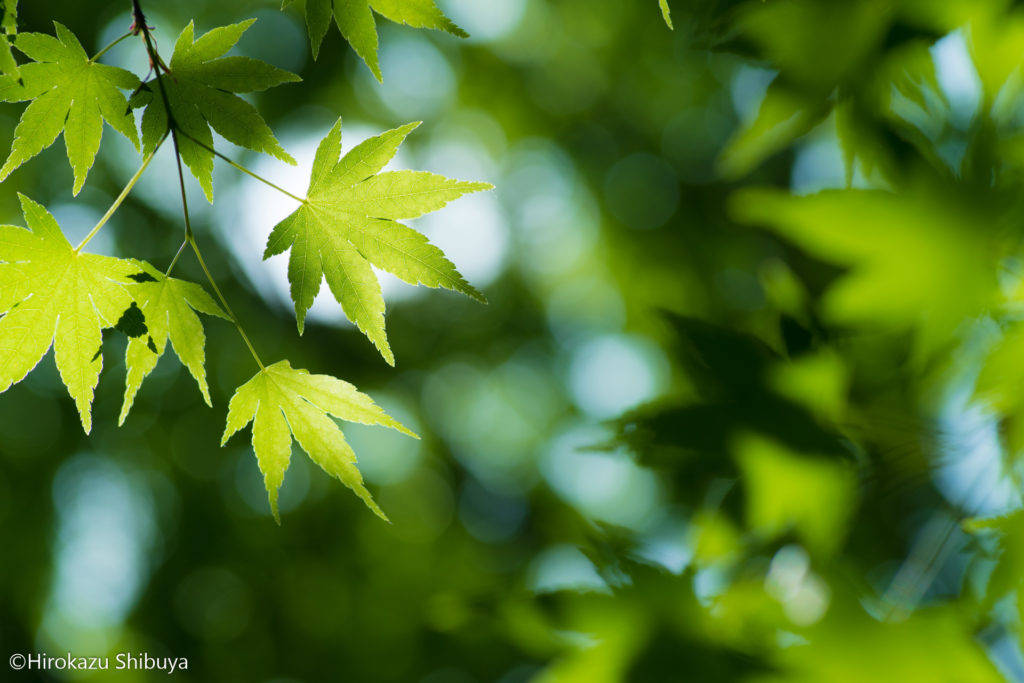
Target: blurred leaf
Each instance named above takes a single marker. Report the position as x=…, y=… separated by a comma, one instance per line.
x=818, y=381
x=932, y=645
x=1008, y=575
x=914, y=262
x=714, y=539
x=996, y=43
x=816, y=44
x=785, y=490
x=782, y=118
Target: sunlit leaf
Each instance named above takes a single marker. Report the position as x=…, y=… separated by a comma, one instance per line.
x=169, y=306
x=349, y=222
x=355, y=21
x=69, y=93
x=201, y=89
x=52, y=294
x=282, y=403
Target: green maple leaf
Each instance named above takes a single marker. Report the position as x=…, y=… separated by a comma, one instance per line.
x=201, y=87
x=282, y=402
x=170, y=307
x=68, y=93
x=666, y=13
x=349, y=221
x=356, y=22
x=52, y=294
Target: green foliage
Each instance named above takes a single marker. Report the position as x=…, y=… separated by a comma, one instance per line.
x=201, y=86
x=1007, y=577
x=870, y=233
x=53, y=294
x=355, y=21
x=170, y=307
x=282, y=402
x=789, y=492
x=832, y=467
x=349, y=221
x=68, y=92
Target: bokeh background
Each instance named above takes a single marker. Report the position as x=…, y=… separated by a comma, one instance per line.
x=741, y=407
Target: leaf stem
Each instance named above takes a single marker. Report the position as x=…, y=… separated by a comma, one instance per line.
x=121, y=197
x=243, y=169
x=174, y=260
x=190, y=238
x=224, y=302
x=111, y=44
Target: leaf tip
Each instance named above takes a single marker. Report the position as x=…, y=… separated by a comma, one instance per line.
x=272, y=496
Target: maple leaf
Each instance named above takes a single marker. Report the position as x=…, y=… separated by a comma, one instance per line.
x=169, y=306
x=53, y=294
x=201, y=87
x=69, y=93
x=349, y=221
x=357, y=25
x=282, y=402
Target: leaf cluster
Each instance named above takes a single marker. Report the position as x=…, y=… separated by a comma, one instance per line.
x=54, y=294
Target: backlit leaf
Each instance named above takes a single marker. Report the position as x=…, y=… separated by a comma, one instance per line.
x=51, y=294
x=201, y=90
x=69, y=93
x=350, y=221
x=170, y=307
x=355, y=20
x=283, y=402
